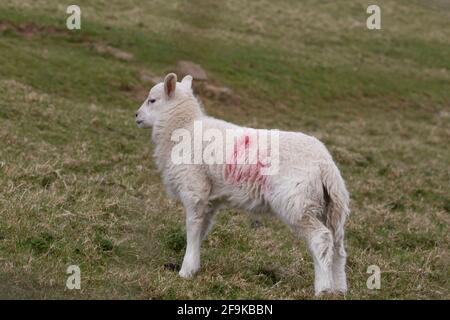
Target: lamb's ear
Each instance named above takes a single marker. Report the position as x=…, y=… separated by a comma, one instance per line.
x=187, y=81
x=170, y=83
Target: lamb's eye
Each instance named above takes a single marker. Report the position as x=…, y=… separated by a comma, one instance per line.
x=151, y=101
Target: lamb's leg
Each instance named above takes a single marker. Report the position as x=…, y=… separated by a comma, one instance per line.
x=208, y=220
x=339, y=258
x=196, y=219
x=320, y=243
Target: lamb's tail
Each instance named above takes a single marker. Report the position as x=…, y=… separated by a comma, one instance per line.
x=336, y=199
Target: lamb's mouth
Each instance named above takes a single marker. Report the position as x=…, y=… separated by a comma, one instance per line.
x=139, y=122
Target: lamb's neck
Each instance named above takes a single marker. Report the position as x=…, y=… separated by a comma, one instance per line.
x=182, y=115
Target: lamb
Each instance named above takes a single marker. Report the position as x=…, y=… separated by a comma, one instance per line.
x=305, y=189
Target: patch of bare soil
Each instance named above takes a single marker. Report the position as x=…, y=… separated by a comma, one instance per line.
x=183, y=68
x=115, y=52
x=30, y=29
x=150, y=79
x=205, y=88
x=216, y=92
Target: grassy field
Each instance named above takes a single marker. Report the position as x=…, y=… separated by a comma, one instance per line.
x=78, y=185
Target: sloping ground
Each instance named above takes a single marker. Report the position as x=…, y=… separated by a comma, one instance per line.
x=77, y=184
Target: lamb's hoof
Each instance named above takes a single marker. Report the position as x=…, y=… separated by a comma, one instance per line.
x=187, y=274
x=340, y=291
x=324, y=292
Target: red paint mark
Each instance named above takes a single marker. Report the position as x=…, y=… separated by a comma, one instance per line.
x=240, y=167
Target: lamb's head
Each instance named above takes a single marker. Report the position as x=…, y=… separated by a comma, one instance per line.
x=162, y=96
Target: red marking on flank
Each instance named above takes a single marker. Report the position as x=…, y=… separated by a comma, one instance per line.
x=240, y=168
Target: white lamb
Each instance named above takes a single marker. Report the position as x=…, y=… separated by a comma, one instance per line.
x=307, y=191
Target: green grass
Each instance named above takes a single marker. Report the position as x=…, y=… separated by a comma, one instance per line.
x=78, y=185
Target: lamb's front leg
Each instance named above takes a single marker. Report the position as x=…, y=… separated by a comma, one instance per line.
x=195, y=222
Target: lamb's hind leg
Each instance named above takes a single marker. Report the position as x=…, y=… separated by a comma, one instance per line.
x=208, y=220
x=339, y=259
x=320, y=243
